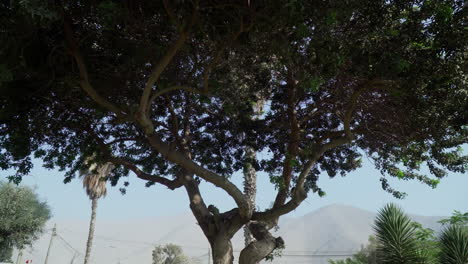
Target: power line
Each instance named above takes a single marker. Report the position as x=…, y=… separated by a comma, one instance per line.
x=69, y=245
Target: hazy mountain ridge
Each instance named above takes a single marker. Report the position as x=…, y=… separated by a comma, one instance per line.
x=335, y=229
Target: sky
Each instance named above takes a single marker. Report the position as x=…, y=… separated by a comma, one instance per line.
x=360, y=188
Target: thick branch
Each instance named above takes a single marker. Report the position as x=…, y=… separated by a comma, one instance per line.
x=218, y=180
x=164, y=62
x=299, y=193
x=197, y=205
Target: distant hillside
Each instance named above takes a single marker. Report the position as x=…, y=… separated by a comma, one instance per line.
x=337, y=230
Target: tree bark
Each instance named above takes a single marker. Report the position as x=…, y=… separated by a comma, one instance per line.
x=250, y=188
x=92, y=223
x=263, y=245
x=221, y=249
x=250, y=174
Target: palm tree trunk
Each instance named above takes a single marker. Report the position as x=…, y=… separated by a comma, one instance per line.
x=250, y=188
x=250, y=174
x=92, y=223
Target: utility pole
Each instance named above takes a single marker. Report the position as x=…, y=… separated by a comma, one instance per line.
x=54, y=233
x=20, y=256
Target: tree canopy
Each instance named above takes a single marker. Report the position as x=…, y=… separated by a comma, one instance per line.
x=169, y=254
x=22, y=218
x=166, y=89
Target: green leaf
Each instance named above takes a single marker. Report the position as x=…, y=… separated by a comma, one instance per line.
x=314, y=84
x=400, y=174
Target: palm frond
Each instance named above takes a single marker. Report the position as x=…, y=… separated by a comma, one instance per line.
x=454, y=245
x=396, y=237
x=94, y=180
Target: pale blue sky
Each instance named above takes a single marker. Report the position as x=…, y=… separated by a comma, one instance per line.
x=360, y=189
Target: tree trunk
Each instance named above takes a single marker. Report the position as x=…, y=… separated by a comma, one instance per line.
x=250, y=187
x=250, y=174
x=221, y=249
x=92, y=223
x=263, y=245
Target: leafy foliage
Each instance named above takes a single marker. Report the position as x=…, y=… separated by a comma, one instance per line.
x=94, y=180
x=22, y=218
x=358, y=44
x=164, y=89
x=169, y=254
x=428, y=245
x=458, y=218
x=367, y=255
x=396, y=236
x=449, y=248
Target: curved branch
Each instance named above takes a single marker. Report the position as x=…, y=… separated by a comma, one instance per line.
x=299, y=193
x=186, y=163
x=164, y=62
x=171, y=184
x=84, y=77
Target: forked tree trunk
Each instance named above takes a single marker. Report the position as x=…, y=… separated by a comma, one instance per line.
x=92, y=223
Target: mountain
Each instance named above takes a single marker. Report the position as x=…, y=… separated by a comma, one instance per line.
x=335, y=231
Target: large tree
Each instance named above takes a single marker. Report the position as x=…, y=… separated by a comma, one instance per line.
x=164, y=90
x=22, y=218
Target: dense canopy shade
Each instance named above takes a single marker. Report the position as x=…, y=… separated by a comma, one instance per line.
x=166, y=90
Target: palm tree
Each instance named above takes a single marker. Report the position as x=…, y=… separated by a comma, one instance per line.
x=250, y=174
x=396, y=237
x=454, y=245
x=94, y=182
x=250, y=187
